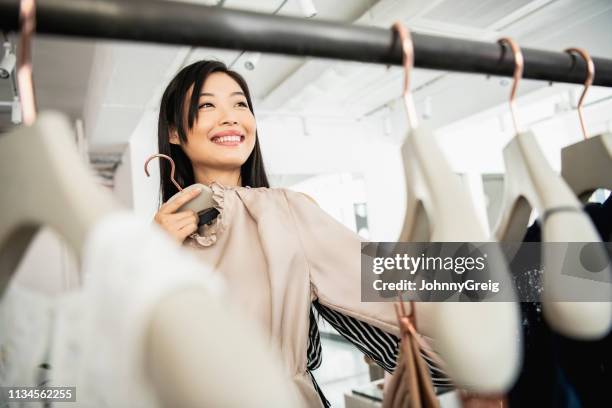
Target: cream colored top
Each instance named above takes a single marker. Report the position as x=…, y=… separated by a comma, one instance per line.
x=278, y=252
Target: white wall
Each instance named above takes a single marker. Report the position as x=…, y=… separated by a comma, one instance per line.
x=333, y=147
x=122, y=186
x=143, y=144
x=475, y=144
x=49, y=265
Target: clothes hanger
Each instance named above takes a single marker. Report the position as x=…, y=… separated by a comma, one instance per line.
x=52, y=187
x=203, y=204
x=411, y=384
x=530, y=182
x=439, y=209
x=587, y=165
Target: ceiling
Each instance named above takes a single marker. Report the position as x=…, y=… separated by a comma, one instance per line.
x=111, y=84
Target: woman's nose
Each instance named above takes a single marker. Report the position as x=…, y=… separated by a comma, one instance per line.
x=228, y=117
x=229, y=121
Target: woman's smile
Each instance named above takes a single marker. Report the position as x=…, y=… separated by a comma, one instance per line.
x=228, y=138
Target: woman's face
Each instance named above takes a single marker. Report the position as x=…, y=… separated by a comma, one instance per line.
x=223, y=134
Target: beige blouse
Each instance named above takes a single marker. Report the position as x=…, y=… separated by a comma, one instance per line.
x=278, y=252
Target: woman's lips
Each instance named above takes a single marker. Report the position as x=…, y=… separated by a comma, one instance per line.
x=230, y=140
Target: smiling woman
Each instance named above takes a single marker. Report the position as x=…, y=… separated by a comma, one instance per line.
x=266, y=242
x=206, y=124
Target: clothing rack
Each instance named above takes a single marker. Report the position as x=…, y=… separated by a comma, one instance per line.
x=167, y=22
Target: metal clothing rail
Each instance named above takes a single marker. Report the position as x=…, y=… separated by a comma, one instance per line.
x=167, y=22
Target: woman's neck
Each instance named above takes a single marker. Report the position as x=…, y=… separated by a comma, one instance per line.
x=230, y=178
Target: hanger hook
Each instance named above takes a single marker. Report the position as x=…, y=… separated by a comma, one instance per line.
x=25, y=83
x=518, y=74
x=400, y=311
x=408, y=62
x=163, y=156
x=587, y=83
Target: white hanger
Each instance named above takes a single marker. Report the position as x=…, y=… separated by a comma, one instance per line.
x=45, y=182
x=476, y=341
x=587, y=165
x=531, y=182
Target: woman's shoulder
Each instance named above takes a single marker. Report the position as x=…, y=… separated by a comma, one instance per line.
x=283, y=190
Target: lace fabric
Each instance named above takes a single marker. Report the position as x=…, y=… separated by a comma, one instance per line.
x=207, y=233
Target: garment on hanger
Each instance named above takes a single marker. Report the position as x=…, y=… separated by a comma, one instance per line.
x=563, y=372
x=411, y=385
x=281, y=255
x=26, y=319
x=94, y=338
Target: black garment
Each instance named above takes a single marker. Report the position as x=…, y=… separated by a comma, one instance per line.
x=557, y=371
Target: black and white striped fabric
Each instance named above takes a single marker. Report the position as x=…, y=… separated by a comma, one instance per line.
x=380, y=346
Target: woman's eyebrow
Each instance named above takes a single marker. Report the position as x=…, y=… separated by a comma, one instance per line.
x=210, y=94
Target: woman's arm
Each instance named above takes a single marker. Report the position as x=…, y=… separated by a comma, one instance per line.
x=380, y=346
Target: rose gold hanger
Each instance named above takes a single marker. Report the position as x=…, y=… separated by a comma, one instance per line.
x=407, y=323
x=408, y=62
x=163, y=156
x=25, y=83
x=518, y=73
x=587, y=83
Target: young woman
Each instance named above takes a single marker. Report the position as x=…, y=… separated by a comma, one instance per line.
x=281, y=255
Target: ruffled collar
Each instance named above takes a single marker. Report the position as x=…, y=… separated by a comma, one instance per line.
x=207, y=233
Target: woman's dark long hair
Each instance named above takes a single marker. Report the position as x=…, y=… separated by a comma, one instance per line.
x=171, y=116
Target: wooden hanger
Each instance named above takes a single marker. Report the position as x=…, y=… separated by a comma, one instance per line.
x=587, y=165
x=530, y=182
x=439, y=209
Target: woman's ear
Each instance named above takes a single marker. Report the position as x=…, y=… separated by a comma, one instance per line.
x=174, y=137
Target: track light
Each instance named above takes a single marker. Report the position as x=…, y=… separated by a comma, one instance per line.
x=251, y=59
x=308, y=8
x=8, y=62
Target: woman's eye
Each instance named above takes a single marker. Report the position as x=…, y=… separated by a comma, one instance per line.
x=205, y=105
x=243, y=104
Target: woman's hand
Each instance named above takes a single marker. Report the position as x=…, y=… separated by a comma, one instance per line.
x=178, y=224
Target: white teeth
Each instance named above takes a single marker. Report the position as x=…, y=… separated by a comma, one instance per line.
x=227, y=139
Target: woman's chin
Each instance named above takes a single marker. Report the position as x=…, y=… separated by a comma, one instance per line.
x=231, y=162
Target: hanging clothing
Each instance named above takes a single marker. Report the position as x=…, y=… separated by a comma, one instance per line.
x=563, y=372
x=95, y=338
x=26, y=319
x=282, y=255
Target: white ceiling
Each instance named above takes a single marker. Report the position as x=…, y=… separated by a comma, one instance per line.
x=111, y=84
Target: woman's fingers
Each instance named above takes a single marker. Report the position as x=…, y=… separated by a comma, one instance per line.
x=185, y=196
x=189, y=214
x=185, y=222
x=188, y=229
x=171, y=219
x=179, y=224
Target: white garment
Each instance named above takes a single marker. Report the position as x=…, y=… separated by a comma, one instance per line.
x=25, y=327
x=96, y=336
